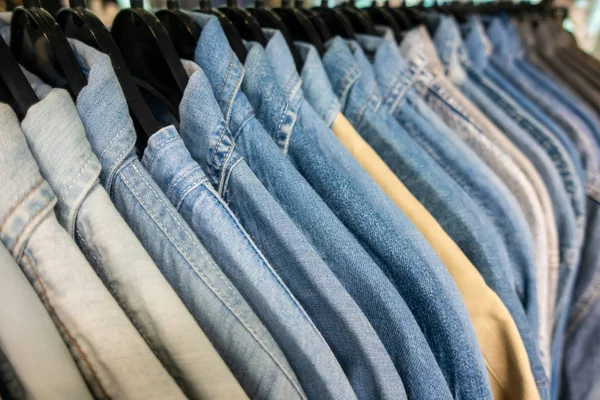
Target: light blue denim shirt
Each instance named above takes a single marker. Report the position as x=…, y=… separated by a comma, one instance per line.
x=192, y=193
x=321, y=294
x=275, y=89
x=234, y=329
x=30, y=341
x=87, y=213
x=111, y=355
x=395, y=253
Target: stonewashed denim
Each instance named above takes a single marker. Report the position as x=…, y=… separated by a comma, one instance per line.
x=456, y=111
x=86, y=212
x=581, y=356
x=452, y=52
x=31, y=342
x=366, y=282
x=392, y=253
x=112, y=356
x=332, y=309
x=192, y=193
x=453, y=107
x=233, y=328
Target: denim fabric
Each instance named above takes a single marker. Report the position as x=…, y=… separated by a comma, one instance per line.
x=537, y=115
x=192, y=193
x=31, y=342
x=581, y=356
x=86, y=212
x=448, y=37
x=275, y=89
x=452, y=54
x=233, y=328
x=456, y=112
x=312, y=282
x=570, y=180
x=392, y=253
x=117, y=366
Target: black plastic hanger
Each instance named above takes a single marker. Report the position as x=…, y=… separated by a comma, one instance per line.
x=80, y=23
x=335, y=21
x=14, y=87
x=400, y=14
x=359, y=22
x=316, y=21
x=269, y=19
x=41, y=47
x=383, y=16
x=182, y=29
x=299, y=26
x=233, y=36
x=244, y=22
x=150, y=55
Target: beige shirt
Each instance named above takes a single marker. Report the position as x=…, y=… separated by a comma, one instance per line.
x=503, y=350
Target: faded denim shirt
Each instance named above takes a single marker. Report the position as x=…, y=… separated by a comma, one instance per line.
x=115, y=366
x=217, y=306
x=192, y=193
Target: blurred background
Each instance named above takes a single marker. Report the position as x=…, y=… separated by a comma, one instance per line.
x=582, y=19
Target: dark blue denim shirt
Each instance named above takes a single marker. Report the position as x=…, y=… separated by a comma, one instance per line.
x=340, y=320
x=391, y=250
x=341, y=192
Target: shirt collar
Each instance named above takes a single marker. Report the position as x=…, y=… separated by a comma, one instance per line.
x=276, y=114
x=203, y=128
x=57, y=140
x=315, y=84
x=417, y=45
x=477, y=43
x=220, y=64
x=341, y=67
x=103, y=110
x=282, y=63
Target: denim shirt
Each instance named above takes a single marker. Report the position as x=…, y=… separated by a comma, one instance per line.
x=192, y=193
x=233, y=328
x=303, y=270
x=114, y=365
x=393, y=252
x=276, y=89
